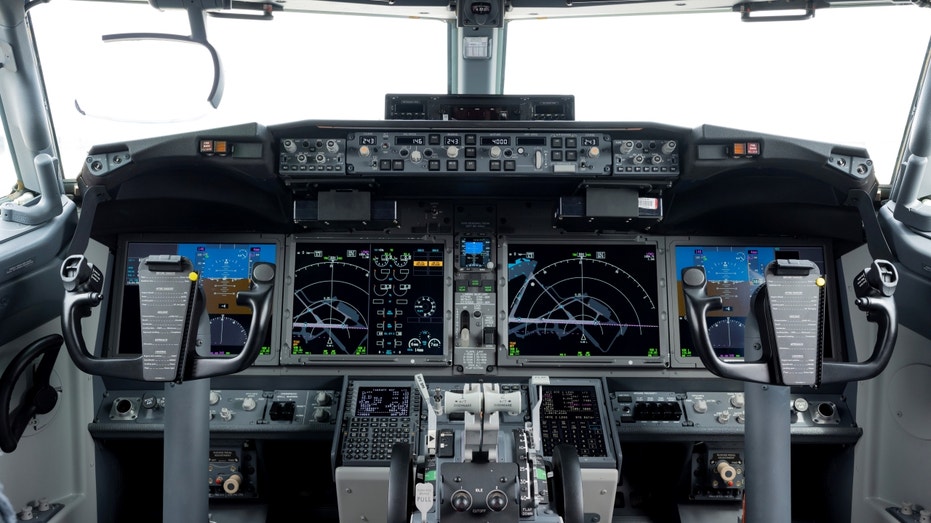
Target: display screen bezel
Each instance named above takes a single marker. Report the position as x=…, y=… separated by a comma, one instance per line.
x=505, y=356
x=444, y=304
x=115, y=330
x=831, y=331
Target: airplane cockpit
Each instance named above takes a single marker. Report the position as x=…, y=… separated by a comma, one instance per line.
x=354, y=275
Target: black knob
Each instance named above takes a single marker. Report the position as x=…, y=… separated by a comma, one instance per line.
x=461, y=501
x=497, y=500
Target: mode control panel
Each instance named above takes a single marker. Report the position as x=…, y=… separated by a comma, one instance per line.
x=461, y=151
x=486, y=152
x=496, y=152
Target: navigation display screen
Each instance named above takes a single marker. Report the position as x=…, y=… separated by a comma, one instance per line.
x=582, y=301
x=733, y=272
x=368, y=299
x=224, y=269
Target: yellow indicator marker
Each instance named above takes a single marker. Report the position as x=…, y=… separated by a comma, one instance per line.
x=192, y=276
x=820, y=281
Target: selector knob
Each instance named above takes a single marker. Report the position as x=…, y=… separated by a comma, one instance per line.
x=656, y=159
x=289, y=146
x=214, y=397
x=365, y=151
x=248, y=404
x=332, y=146
x=321, y=415
x=226, y=414
x=495, y=151
x=452, y=151
x=723, y=417
x=737, y=400
x=594, y=152
x=416, y=156
x=637, y=159
x=626, y=146
x=149, y=402
x=231, y=485
x=800, y=405
x=461, y=501
x=496, y=500
x=700, y=406
x=323, y=399
x=669, y=147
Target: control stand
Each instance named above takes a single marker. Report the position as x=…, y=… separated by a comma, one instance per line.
x=477, y=471
x=174, y=324
x=788, y=311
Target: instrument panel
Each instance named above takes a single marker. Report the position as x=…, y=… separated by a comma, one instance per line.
x=473, y=303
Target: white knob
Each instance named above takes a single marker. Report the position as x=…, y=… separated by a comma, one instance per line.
x=332, y=146
x=452, y=151
x=322, y=398
x=594, y=152
x=800, y=404
x=248, y=404
x=495, y=152
x=700, y=406
x=416, y=156
x=214, y=397
x=42, y=505
x=26, y=514
x=737, y=400
x=723, y=417
x=364, y=151
x=231, y=485
x=226, y=414
x=290, y=146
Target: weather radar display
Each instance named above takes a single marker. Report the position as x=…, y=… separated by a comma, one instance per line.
x=582, y=301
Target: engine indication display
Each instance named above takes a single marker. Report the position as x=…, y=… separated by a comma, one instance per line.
x=358, y=299
x=583, y=301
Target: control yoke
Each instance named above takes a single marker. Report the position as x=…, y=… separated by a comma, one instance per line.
x=789, y=310
x=174, y=322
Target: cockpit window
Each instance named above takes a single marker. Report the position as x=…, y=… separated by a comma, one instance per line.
x=298, y=66
x=847, y=76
